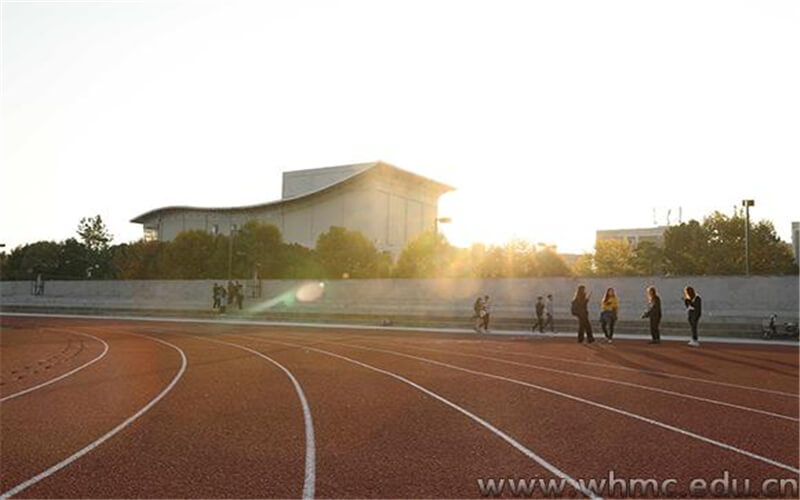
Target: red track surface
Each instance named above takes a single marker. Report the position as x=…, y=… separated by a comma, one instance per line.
x=232, y=424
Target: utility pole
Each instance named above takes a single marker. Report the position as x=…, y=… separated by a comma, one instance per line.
x=747, y=204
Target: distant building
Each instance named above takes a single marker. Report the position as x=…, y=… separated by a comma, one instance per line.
x=634, y=236
x=390, y=206
x=796, y=240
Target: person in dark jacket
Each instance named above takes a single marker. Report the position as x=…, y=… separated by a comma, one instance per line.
x=539, y=315
x=694, y=309
x=580, y=310
x=654, y=314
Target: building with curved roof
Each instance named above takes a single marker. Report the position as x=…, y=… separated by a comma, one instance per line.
x=389, y=205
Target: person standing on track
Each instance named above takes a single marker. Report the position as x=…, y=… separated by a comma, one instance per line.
x=487, y=312
x=609, y=307
x=580, y=310
x=222, y=299
x=215, y=292
x=694, y=309
x=653, y=312
x=539, y=315
x=478, y=311
x=548, y=313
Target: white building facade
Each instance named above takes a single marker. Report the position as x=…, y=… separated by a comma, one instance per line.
x=389, y=205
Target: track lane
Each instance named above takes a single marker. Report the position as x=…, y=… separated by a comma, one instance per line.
x=46, y=426
x=761, y=434
x=612, y=442
x=232, y=428
x=30, y=357
x=64, y=375
x=776, y=406
x=381, y=438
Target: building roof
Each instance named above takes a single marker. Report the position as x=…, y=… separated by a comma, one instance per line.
x=363, y=169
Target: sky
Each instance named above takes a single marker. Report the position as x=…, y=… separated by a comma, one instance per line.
x=552, y=119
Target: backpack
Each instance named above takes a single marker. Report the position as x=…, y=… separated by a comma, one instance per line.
x=574, y=309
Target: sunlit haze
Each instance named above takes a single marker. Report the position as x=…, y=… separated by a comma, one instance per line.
x=551, y=119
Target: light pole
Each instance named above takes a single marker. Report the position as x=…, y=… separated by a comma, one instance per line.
x=747, y=204
x=437, y=221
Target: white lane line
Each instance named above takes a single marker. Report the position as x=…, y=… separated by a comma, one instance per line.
x=607, y=380
x=502, y=435
x=591, y=403
x=650, y=372
x=108, y=435
x=309, y=480
x=64, y=375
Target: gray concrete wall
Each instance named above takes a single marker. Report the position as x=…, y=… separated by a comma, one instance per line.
x=725, y=299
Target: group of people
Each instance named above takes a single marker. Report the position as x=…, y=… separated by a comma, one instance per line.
x=224, y=297
x=609, y=307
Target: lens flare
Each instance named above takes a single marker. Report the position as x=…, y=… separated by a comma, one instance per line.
x=310, y=292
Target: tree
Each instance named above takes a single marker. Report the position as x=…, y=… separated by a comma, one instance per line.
x=95, y=237
x=428, y=256
x=685, y=248
x=195, y=254
x=299, y=262
x=648, y=259
x=138, y=260
x=584, y=265
x=613, y=258
x=549, y=263
x=94, y=234
x=344, y=253
x=257, y=247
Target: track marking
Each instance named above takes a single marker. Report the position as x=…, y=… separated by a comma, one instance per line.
x=309, y=478
x=64, y=375
x=591, y=403
x=502, y=435
x=651, y=372
x=610, y=381
x=105, y=437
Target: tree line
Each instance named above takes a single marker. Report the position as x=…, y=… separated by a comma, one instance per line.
x=714, y=246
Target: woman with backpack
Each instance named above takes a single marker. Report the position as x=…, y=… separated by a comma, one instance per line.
x=653, y=312
x=609, y=307
x=580, y=310
x=694, y=309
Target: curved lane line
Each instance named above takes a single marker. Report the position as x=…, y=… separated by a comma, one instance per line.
x=105, y=437
x=64, y=375
x=502, y=435
x=589, y=402
x=309, y=478
x=612, y=381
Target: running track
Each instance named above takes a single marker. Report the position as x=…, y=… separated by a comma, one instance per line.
x=132, y=409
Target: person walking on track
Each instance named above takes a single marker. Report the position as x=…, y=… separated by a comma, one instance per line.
x=548, y=313
x=580, y=310
x=539, y=309
x=609, y=308
x=694, y=309
x=653, y=312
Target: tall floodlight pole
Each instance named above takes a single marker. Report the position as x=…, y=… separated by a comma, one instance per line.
x=747, y=204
